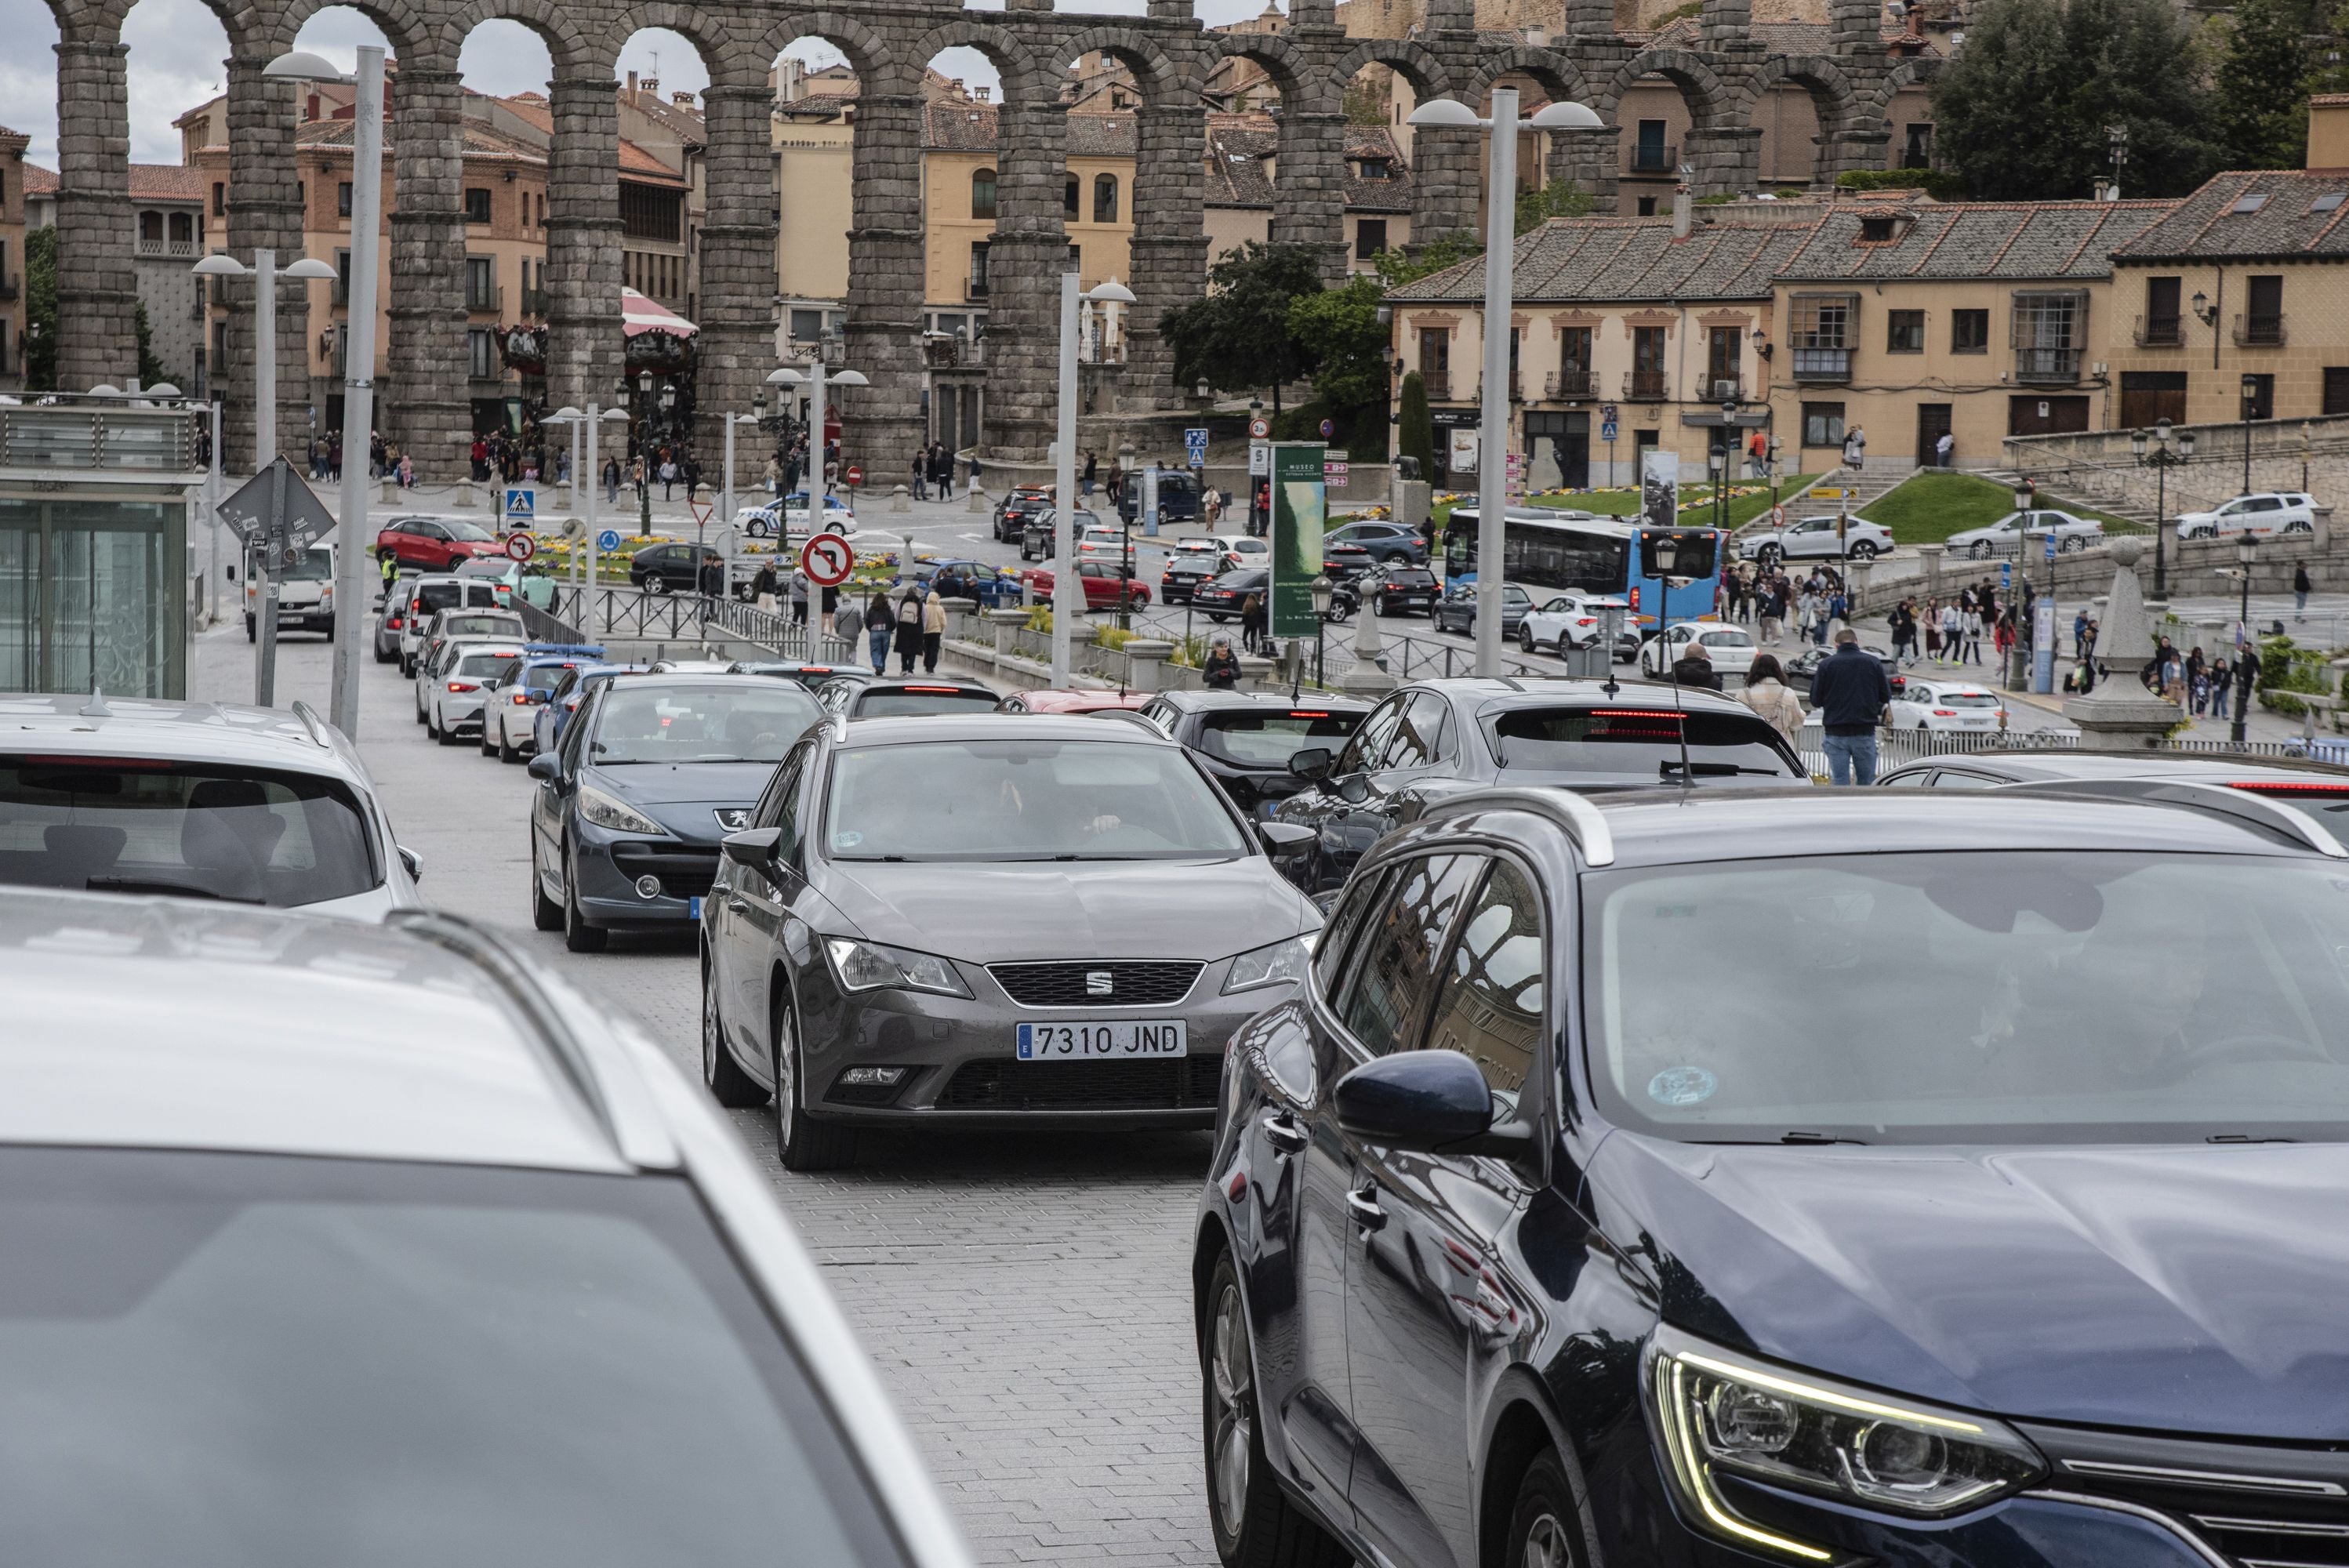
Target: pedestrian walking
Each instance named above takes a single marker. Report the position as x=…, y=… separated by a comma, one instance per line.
x=1221, y=672
x=934, y=630
x=1953, y=626
x=774, y=479
x=1252, y=622
x=921, y=476
x=880, y=624
x=1969, y=630
x=1092, y=468
x=2300, y=590
x=690, y=472
x=1855, y=448
x=1852, y=695
x=847, y=621
x=2222, y=678
x=1767, y=694
x=407, y=471
x=763, y=585
x=909, y=628
x=667, y=476
x=1694, y=668
x=974, y=470
x=1943, y=449
x=612, y=481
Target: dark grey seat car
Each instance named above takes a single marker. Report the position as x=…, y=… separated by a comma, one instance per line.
x=650, y=775
x=995, y=919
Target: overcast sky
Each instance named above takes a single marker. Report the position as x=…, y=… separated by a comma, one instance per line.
x=177, y=48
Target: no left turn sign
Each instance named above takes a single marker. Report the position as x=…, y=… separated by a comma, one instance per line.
x=827, y=560
x=522, y=546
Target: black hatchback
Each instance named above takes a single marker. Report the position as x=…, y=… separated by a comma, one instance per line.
x=1245, y=740
x=1403, y=591
x=1691, y=1180
x=1221, y=599
x=861, y=695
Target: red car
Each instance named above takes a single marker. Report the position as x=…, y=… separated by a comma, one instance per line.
x=1100, y=581
x=435, y=544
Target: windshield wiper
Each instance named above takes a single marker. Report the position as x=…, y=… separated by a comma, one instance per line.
x=162, y=885
x=1814, y=1138
x=1710, y=769
x=2245, y=1138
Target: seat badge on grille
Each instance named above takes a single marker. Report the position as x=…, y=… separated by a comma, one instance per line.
x=733, y=819
x=1099, y=983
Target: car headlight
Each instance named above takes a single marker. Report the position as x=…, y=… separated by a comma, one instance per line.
x=605, y=811
x=870, y=966
x=1288, y=959
x=1716, y=1411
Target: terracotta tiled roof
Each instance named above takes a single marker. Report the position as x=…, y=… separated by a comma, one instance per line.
x=1574, y=260
x=166, y=183
x=40, y=181
x=1238, y=145
x=1960, y=239
x=2292, y=221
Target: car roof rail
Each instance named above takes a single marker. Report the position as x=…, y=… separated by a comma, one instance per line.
x=2262, y=812
x=1584, y=823
x=631, y=1127
x=320, y=733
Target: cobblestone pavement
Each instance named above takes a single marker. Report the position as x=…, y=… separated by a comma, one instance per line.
x=1026, y=1297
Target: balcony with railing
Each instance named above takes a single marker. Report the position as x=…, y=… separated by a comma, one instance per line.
x=2160, y=331
x=1822, y=362
x=1646, y=385
x=1655, y=158
x=2259, y=331
x=1723, y=389
x=1438, y=384
x=2050, y=365
x=167, y=250
x=1570, y=384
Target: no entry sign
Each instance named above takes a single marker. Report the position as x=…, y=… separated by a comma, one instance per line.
x=827, y=559
x=522, y=546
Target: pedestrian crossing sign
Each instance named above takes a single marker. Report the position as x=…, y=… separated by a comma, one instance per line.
x=522, y=507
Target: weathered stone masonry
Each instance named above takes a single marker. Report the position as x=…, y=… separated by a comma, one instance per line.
x=424, y=407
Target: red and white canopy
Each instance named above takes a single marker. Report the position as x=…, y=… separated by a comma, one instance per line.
x=641, y=313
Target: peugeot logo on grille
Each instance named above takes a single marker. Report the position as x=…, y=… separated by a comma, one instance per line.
x=1099, y=983
x=733, y=819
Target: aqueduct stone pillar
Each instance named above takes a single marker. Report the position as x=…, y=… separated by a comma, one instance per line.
x=1590, y=159
x=1310, y=182
x=265, y=209
x=1724, y=159
x=1170, y=244
x=432, y=416
x=1024, y=264
x=1446, y=174
x=98, y=294
x=1851, y=149
x=885, y=281
x=583, y=253
x=736, y=347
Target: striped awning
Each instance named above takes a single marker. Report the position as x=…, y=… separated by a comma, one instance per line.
x=641, y=313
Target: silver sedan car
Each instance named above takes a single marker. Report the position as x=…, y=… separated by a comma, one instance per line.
x=372, y=1244
x=999, y=920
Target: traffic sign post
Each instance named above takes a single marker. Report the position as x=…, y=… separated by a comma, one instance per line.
x=521, y=508
x=521, y=547
x=608, y=539
x=277, y=516
x=1260, y=428
x=1194, y=444
x=827, y=559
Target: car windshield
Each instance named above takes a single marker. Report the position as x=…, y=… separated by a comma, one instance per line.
x=1025, y=800
x=315, y=566
x=908, y=702
x=1271, y=738
x=644, y=722
x=188, y=829
x=238, y=1358
x=1636, y=742
x=470, y=532
x=2039, y=996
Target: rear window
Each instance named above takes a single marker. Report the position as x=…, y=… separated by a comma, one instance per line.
x=1268, y=739
x=906, y=704
x=1962, y=699
x=1411, y=576
x=439, y=595
x=1645, y=742
x=498, y=667
x=475, y=625
x=112, y=825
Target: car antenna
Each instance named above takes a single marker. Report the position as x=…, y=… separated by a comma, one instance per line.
x=96, y=707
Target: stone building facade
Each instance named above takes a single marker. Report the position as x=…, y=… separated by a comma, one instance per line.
x=888, y=44
x=13, y=174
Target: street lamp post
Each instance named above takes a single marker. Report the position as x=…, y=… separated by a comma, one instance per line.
x=2251, y=390
x=815, y=378
x=1500, y=256
x=2247, y=552
x=1067, y=592
x=584, y=565
x=2152, y=448
x=726, y=499
x=1325, y=594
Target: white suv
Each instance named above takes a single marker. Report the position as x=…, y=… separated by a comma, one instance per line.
x=2266, y=511
x=1813, y=538
x=1567, y=621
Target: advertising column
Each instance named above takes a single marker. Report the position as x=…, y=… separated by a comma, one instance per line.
x=1299, y=504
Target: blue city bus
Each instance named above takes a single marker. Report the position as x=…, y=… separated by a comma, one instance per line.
x=1547, y=552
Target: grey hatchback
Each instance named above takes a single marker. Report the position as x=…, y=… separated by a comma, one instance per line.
x=1011, y=917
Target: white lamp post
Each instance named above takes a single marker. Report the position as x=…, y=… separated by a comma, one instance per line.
x=814, y=379
x=1500, y=239
x=1067, y=592
x=726, y=501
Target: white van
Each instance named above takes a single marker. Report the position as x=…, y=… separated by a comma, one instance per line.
x=305, y=594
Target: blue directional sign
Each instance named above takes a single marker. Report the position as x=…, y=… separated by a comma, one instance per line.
x=2050, y=547
x=522, y=507
x=608, y=539
x=2006, y=574
x=1606, y=429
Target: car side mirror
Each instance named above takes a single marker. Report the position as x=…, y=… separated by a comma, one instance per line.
x=752, y=846
x=1312, y=764
x=1282, y=840
x=229, y=572
x=1427, y=1102
x=413, y=862
x=546, y=767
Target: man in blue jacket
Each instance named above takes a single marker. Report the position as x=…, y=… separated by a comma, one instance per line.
x=1850, y=693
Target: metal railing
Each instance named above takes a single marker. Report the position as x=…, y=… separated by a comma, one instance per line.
x=2259, y=331
x=1646, y=385
x=10, y=284
x=1648, y=158
x=166, y=248
x=1570, y=384
x=534, y=302
x=492, y=298
x=1438, y=383
x=76, y=432
x=633, y=613
x=2160, y=331
x=1895, y=746
x=780, y=634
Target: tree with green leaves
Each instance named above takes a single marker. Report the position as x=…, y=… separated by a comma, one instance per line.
x=1237, y=333
x=1415, y=437
x=2259, y=91
x=1341, y=334
x=41, y=309
x=1558, y=199
x=2021, y=113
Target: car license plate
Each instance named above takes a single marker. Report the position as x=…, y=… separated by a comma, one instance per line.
x=1119, y=1039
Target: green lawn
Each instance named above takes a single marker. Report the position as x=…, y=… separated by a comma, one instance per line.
x=1696, y=500
x=1931, y=506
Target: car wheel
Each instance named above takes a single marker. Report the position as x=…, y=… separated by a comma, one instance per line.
x=1863, y=551
x=804, y=1144
x=382, y=657
x=449, y=737
x=1978, y=549
x=577, y=935
x=2070, y=543
x=545, y=914
x=729, y=1084
x=407, y=666
x=1769, y=555
x=431, y=730
x=1219, y=620
x=1340, y=612
x=1255, y=1524
x=507, y=750
x=489, y=747
x=1526, y=637
x=655, y=584
x=1545, y=1524
x=252, y=630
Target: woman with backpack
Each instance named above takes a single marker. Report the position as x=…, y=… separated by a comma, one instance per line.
x=909, y=628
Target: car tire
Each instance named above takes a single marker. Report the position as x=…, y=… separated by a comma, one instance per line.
x=1545, y=1524
x=1255, y=1524
x=728, y=1085
x=1769, y=555
x=656, y=584
x=382, y=657
x=449, y=737
x=1864, y=550
x=577, y=935
x=545, y=914
x=1339, y=613
x=803, y=1144
x=431, y=730
x=1217, y=619
x=507, y=750
x=2070, y=543
x=1980, y=550
x=489, y=747
x=252, y=630
x=1525, y=639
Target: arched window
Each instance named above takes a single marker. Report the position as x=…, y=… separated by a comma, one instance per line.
x=1069, y=199
x=982, y=193
x=184, y=229
x=1104, y=198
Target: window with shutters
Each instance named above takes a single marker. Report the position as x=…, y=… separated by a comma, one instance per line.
x=1820, y=331
x=2049, y=328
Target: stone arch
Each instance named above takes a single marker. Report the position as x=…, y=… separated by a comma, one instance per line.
x=1558, y=76
x=721, y=53
x=402, y=26
x=869, y=55
x=1300, y=86
x=1701, y=88
x=1162, y=82
x=1873, y=109
x=1414, y=62
x=1024, y=81
x=570, y=53
x=1829, y=85
x=86, y=23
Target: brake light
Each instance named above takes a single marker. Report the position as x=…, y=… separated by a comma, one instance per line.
x=570, y=705
x=1299, y=714
x=521, y=699
x=1586, y=621
x=397, y=622
x=1633, y=712
x=947, y=689
x=464, y=685
x=2277, y=787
